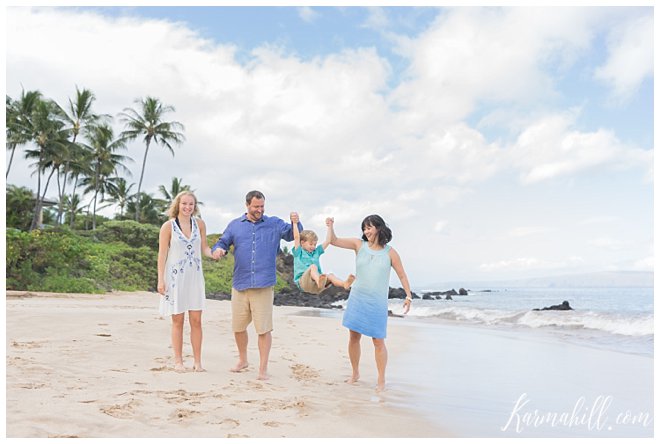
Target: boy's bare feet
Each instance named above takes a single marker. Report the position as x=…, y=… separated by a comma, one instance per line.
x=349, y=281
x=198, y=368
x=263, y=376
x=178, y=367
x=239, y=367
x=380, y=387
x=323, y=279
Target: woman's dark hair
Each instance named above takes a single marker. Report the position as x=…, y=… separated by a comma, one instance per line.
x=384, y=232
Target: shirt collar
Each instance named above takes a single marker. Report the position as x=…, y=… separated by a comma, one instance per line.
x=245, y=219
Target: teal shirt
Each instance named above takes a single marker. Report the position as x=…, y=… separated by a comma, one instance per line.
x=302, y=260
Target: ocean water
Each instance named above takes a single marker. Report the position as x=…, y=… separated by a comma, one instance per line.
x=619, y=319
x=488, y=365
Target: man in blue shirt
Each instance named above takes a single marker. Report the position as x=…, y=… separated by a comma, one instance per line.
x=256, y=240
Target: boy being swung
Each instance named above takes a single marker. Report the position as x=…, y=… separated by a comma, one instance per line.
x=307, y=273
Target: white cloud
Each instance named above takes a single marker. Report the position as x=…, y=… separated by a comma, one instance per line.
x=630, y=56
x=527, y=231
x=550, y=148
x=327, y=136
x=608, y=243
x=440, y=226
x=523, y=263
x=308, y=14
x=475, y=55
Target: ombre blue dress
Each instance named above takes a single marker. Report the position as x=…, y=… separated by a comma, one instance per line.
x=366, y=309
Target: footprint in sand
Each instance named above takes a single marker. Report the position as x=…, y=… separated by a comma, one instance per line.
x=122, y=411
x=182, y=414
x=277, y=424
x=32, y=385
x=227, y=423
x=32, y=344
x=304, y=372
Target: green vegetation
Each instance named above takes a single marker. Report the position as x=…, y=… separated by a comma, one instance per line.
x=63, y=244
x=121, y=256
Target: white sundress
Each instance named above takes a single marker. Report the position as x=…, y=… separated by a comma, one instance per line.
x=184, y=280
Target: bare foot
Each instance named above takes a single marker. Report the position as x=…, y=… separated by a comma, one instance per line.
x=179, y=368
x=263, y=376
x=349, y=281
x=353, y=379
x=239, y=367
x=323, y=279
x=198, y=368
x=380, y=387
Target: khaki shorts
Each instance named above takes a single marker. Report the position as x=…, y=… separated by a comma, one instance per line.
x=253, y=304
x=307, y=284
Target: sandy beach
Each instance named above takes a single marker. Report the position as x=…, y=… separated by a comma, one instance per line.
x=101, y=366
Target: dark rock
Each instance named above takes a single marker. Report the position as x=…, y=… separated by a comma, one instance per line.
x=449, y=298
x=389, y=313
x=462, y=292
x=563, y=306
x=291, y=294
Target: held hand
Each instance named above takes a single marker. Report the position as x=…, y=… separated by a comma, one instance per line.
x=406, y=305
x=218, y=253
x=295, y=218
x=329, y=221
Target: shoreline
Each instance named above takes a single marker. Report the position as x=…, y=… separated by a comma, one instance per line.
x=100, y=366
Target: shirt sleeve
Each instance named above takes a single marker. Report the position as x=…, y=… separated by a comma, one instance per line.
x=286, y=230
x=225, y=240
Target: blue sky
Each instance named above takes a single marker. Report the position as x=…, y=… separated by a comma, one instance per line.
x=498, y=143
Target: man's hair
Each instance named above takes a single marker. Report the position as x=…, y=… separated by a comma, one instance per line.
x=254, y=194
x=308, y=235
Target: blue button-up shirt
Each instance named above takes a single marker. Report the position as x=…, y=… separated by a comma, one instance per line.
x=255, y=249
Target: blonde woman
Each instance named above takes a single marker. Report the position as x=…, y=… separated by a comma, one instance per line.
x=181, y=243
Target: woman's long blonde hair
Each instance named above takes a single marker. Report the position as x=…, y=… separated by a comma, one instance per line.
x=173, y=211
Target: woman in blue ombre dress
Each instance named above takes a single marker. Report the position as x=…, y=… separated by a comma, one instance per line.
x=366, y=310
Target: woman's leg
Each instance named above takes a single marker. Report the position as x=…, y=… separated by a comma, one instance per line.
x=381, y=362
x=195, y=319
x=354, y=355
x=177, y=341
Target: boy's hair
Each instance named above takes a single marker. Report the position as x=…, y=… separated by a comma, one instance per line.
x=308, y=236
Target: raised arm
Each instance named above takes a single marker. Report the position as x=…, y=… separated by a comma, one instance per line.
x=401, y=273
x=348, y=243
x=296, y=232
x=163, y=248
x=330, y=233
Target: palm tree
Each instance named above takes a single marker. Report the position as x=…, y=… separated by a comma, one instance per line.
x=175, y=188
x=80, y=118
x=120, y=194
x=104, y=164
x=19, y=207
x=19, y=121
x=148, y=208
x=72, y=207
x=51, y=140
x=148, y=123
